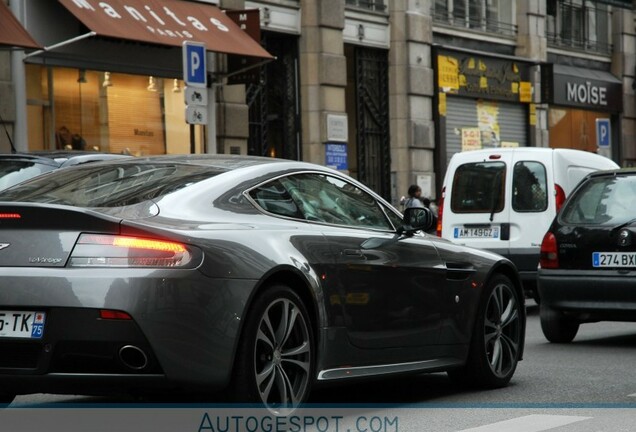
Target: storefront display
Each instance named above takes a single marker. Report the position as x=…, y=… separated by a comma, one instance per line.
x=579, y=97
x=482, y=102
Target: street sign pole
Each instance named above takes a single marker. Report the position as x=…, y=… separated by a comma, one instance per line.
x=195, y=76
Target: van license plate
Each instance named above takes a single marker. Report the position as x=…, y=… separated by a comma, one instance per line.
x=485, y=232
x=22, y=324
x=614, y=259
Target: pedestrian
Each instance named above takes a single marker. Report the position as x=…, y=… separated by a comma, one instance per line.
x=414, y=199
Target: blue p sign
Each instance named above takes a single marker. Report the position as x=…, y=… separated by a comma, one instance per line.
x=603, y=132
x=194, y=66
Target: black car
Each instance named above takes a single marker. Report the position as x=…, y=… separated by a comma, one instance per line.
x=255, y=276
x=588, y=257
x=18, y=167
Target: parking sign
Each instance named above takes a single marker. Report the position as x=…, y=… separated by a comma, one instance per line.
x=603, y=132
x=194, y=66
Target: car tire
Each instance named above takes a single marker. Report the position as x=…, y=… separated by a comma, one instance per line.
x=497, y=338
x=556, y=327
x=275, y=364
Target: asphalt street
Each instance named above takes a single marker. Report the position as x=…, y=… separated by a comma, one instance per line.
x=588, y=385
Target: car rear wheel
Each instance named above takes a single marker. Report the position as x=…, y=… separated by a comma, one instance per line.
x=497, y=337
x=275, y=362
x=557, y=328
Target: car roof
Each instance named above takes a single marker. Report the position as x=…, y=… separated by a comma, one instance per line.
x=621, y=171
x=225, y=162
x=62, y=158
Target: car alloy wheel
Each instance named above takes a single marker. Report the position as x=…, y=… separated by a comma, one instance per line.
x=502, y=330
x=282, y=355
x=496, y=344
x=275, y=360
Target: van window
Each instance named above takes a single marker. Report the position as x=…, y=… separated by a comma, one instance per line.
x=479, y=188
x=529, y=187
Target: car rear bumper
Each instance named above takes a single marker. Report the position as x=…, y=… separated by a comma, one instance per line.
x=593, y=295
x=186, y=324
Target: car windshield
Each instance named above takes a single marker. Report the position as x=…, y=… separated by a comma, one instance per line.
x=111, y=185
x=602, y=201
x=13, y=172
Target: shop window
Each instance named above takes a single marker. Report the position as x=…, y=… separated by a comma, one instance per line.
x=494, y=16
x=105, y=111
x=581, y=24
x=573, y=128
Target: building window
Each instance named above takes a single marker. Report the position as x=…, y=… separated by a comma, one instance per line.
x=374, y=5
x=581, y=24
x=80, y=109
x=492, y=16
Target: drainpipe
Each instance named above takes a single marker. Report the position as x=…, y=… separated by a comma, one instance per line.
x=18, y=76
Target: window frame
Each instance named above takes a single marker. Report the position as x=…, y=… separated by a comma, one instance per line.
x=378, y=201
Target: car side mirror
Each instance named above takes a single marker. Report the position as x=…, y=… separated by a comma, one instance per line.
x=418, y=219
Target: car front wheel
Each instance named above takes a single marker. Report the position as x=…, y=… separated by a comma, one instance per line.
x=557, y=328
x=497, y=337
x=275, y=361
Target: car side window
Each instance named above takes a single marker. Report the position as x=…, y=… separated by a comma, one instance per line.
x=274, y=198
x=327, y=199
x=529, y=187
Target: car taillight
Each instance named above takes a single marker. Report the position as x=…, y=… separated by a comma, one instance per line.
x=559, y=196
x=549, y=258
x=440, y=212
x=100, y=250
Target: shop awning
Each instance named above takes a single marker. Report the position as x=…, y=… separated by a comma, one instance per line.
x=165, y=22
x=11, y=31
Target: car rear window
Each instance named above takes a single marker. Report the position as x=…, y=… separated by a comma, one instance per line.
x=13, y=172
x=479, y=188
x=529, y=187
x=111, y=185
x=602, y=200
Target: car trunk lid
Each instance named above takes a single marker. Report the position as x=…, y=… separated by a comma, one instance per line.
x=43, y=235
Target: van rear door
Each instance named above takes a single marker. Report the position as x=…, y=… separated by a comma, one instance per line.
x=532, y=207
x=476, y=206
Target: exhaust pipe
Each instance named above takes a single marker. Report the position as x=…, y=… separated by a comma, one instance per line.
x=133, y=357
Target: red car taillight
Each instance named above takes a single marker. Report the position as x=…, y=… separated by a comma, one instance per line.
x=559, y=196
x=549, y=258
x=440, y=212
x=99, y=250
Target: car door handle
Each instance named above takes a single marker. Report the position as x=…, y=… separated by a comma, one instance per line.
x=353, y=253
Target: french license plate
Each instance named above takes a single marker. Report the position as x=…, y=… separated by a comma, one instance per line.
x=614, y=259
x=22, y=324
x=483, y=232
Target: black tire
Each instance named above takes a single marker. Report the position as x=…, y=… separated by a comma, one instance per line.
x=556, y=327
x=284, y=365
x=495, y=345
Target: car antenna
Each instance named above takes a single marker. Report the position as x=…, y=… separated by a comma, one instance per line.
x=4, y=125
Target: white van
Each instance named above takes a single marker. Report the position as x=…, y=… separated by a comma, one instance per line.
x=504, y=199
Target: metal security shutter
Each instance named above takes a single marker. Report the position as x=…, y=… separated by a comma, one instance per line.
x=463, y=113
